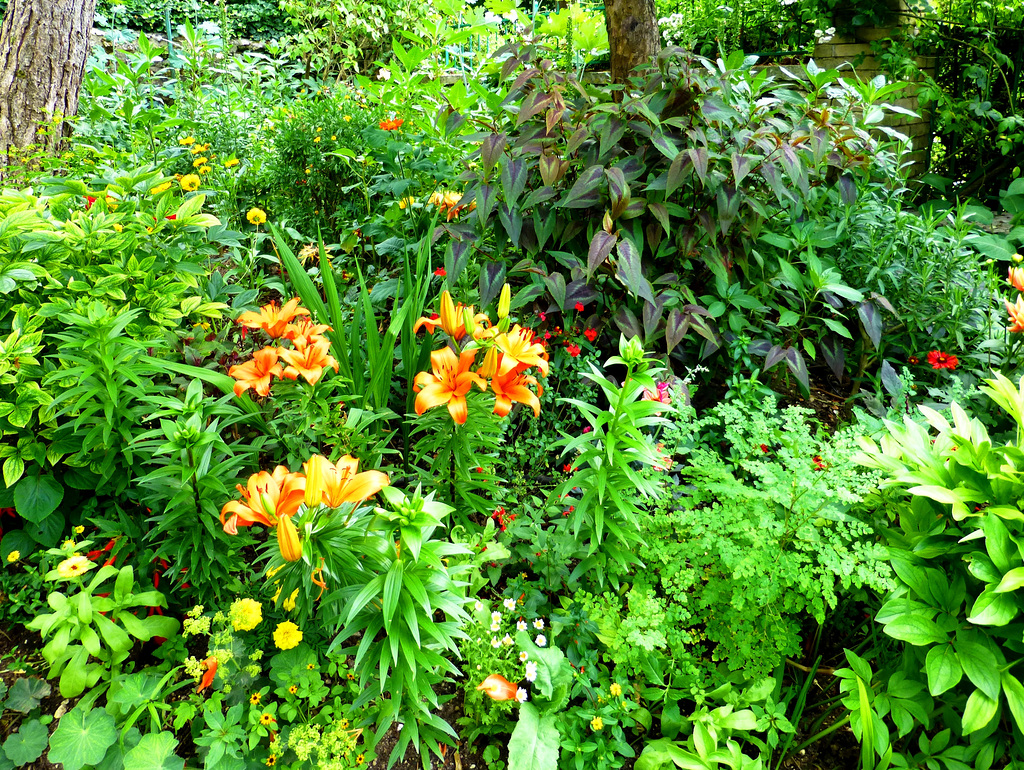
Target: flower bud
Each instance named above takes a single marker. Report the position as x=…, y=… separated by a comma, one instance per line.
x=469, y=321
x=505, y=301
x=448, y=320
x=490, y=365
x=632, y=353
x=288, y=539
x=1017, y=258
x=608, y=225
x=315, y=480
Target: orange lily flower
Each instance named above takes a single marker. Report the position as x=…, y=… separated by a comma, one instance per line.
x=266, y=497
x=272, y=318
x=334, y=485
x=498, y=687
x=305, y=331
x=453, y=319
x=510, y=387
x=256, y=373
x=288, y=539
x=1016, y=278
x=448, y=384
x=310, y=361
x=210, y=664
x=521, y=352
x=1016, y=314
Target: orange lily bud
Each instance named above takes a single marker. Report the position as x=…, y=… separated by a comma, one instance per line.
x=505, y=301
x=498, y=687
x=210, y=664
x=316, y=479
x=288, y=539
x=490, y=365
x=449, y=321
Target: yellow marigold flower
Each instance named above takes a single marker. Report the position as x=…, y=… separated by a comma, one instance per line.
x=231, y=163
x=190, y=182
x=74, y=567
x=256, y=216
x=200, y=162
x=245, y=614
x=615, y=689
x=13, y=556
x=160, y=188
x=205, y=169
x=596, y=724
x=187, y=141
x=287, y=635
x=197, y=149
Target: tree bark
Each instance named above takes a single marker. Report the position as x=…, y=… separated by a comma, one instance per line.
x=43, y=49
x=633, y=37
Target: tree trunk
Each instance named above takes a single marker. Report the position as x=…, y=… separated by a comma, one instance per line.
x=633, y=37
x=43, y=48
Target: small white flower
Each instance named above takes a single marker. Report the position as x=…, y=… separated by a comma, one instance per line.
x=478, y=606
x=538, y=624
x=507, y=641
x=521, y=625
x=541, y=640
x=510, y=604
x=495, y=617
x=479, y=667
x=383, y=74
x=495, y=627
x=524, y=656
x=531, y=671
x=521, y=695
x=495, y=642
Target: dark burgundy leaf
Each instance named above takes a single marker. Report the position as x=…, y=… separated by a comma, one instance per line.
x=774, y=355
x=513, y=180
x=890, y=380
x=630, y=271
x=872, y=320
x=600, y=247
x=492, y=277
x=491, y=150
x=797, y=365
x=834, y=354
x=556, y=285
x=627, y=322
x=676, y=326
x=585, y=192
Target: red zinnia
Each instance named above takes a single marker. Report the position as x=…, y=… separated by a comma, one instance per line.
x=940, y=360
x=590, y=334
x=440, y=272
x=573, y=349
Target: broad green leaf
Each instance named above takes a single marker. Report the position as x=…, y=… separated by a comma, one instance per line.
x=28, y=743
x=36, y=497
x=1011, y=581
x=534, y=742
x=992, y=609
x=1014, y=692
x=82, y=738
x=980, y=710
x=917, y=630
x=26, y=693
x=943, y=669
x=980, y=665
x=154, y=752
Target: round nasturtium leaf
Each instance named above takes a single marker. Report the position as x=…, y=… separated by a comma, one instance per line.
x=154, y=752
x=82, y=738
x=27, y=744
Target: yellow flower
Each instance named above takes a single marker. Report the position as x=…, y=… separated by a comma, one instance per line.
x=245, y=614
x=348, y=118
x=615, y=689
x=200, y=162
x=13, y=556
x=406, y=202
x=267, y=719
x=316, y=139
x=360, y=759
x=117, y=228
x=287, y=635
x=293, y=689
x=289, y=603
x=160, y=188
x=73, y=567
x=187, y=141
x=596, y=724
x=333, y=138
x=343, y=724
x=69, y=545
x=271, y=761
x=256, y=216
x=255, y=698
x=79, y=529
x=309, y=171
x=190, y=182
x=205, y=169
x=231, y=163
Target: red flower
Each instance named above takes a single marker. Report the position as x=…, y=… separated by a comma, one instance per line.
x=764, y=448
x=89, y=200
x=567, y=468
x=579, y=307
x=940, y=360
x=590, y=334
x=542, y=316
x=819, y=464
x=171, y=217
x=573, y=349
x=391, y=125
x=440, y=272
x=587, y=429
x=913, y=360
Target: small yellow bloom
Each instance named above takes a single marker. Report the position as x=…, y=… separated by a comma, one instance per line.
x=289, y=603
x=319, y=130
x=231, y=163
x=200, y=162
x=117, y=227
x=69, y=545
x=256, y=216
x=596, y=724
x=190, y=182
x=316, y=140
x=293, y=689
x=205, y=169
x=348, y=118
x=74, y=566
x=615, y=689
x=79, y=529
x=160, y=188
x=255, y=698
x=333, y=138
x=309, y=171
x=287, y=635
x=406, y=202
x=13, y=556
x=187, y=141
x=267, y=719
